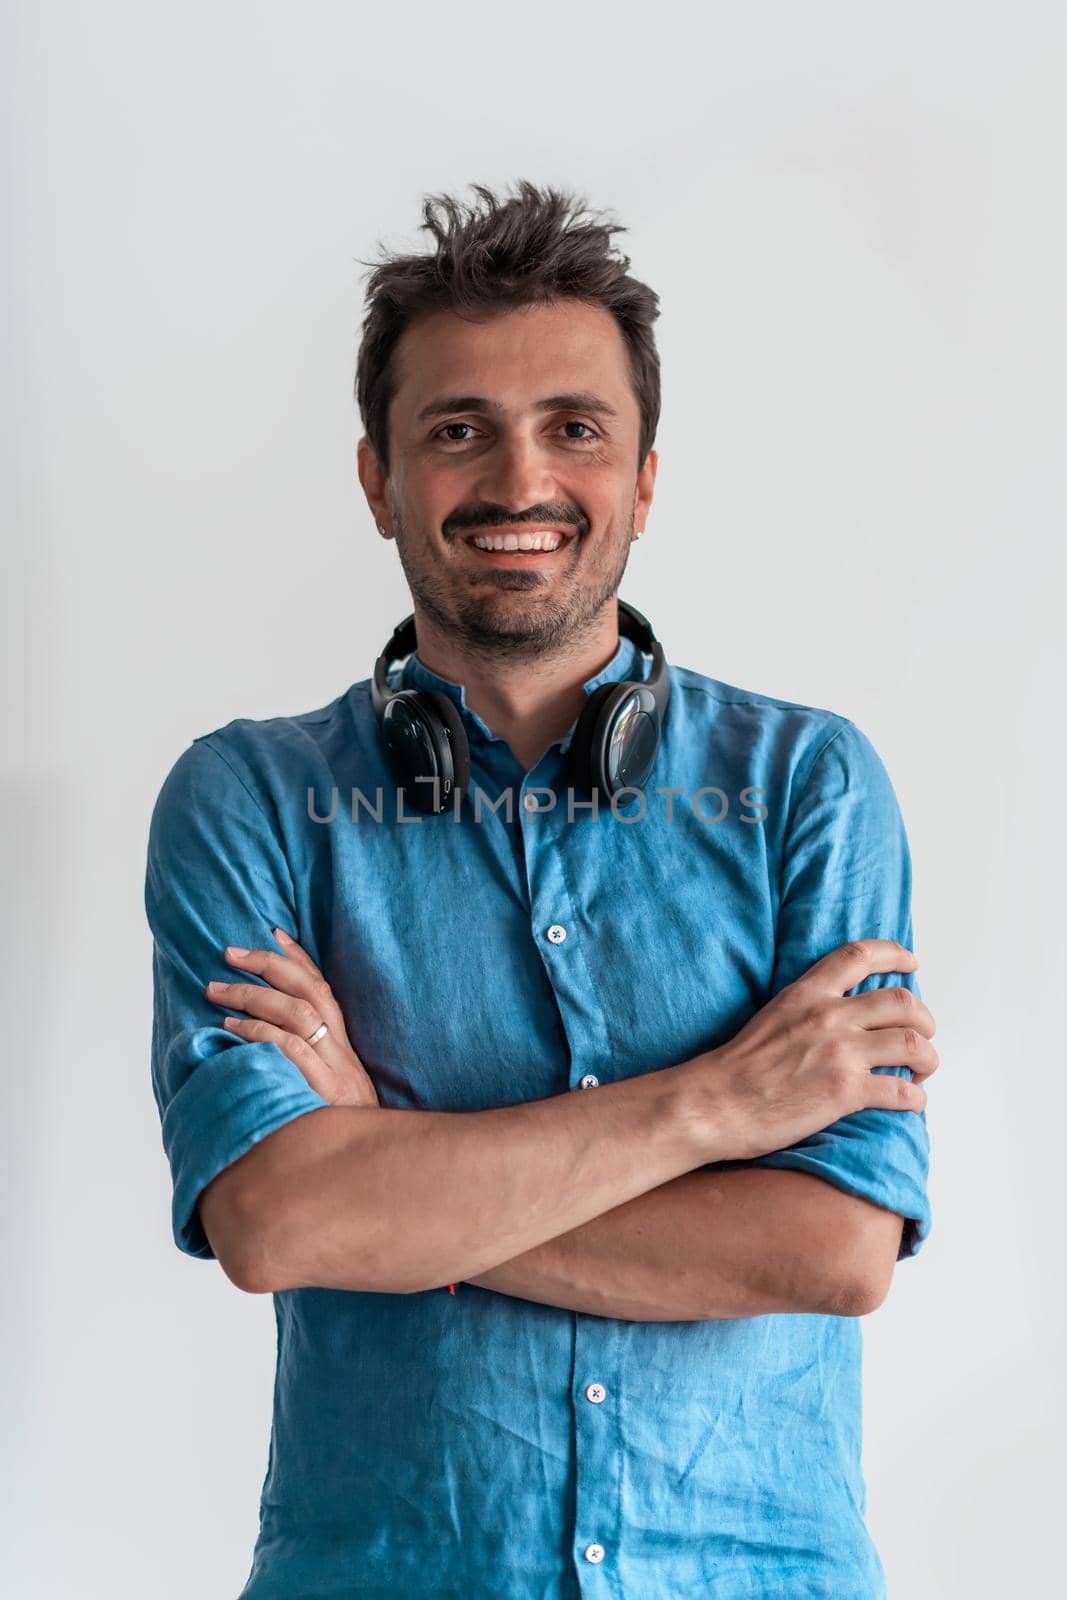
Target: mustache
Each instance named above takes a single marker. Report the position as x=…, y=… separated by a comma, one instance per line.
x=494, y=517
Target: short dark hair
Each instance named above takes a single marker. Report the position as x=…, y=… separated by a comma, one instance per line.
x=532, y=247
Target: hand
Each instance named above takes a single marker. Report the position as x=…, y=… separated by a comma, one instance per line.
x=294, y=999
x=804, y=1059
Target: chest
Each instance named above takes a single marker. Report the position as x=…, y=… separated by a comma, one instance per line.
x=491, y=961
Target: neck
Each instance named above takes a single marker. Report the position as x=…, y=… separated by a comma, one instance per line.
x=527, y=704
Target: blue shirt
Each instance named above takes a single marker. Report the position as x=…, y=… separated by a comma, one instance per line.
x=430, y=1444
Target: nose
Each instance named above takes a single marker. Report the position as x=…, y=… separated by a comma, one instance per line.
x=516, y=473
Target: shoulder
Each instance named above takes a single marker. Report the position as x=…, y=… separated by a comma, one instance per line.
x=251, y=756
x=805, y=750
x=792, y=732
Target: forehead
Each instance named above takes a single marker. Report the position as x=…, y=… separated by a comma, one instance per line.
x=513, y=357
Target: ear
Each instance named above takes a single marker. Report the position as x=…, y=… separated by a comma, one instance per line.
x=373, y=481
x=643, y=489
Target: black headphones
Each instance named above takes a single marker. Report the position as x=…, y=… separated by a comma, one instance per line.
x=614, y=746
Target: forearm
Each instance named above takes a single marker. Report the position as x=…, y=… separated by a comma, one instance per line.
x=728, y=1243
x=396, y=1201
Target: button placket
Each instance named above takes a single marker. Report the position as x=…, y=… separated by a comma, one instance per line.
x=556, y=925
x=598, y=1449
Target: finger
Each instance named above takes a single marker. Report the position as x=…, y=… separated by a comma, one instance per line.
x=900, y=1047
x=291, y=976
x=885, y=1092
x=301, y=979
x=287, y=1011
x=892, y=1006
x=291, y=1014
x=318, y=1072
x=850, y=963
x=295, y=951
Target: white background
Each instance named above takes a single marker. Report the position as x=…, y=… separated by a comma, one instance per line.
x=853, y=214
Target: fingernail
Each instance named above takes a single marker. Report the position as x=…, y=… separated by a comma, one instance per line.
x=235, y=950
x=284, y=937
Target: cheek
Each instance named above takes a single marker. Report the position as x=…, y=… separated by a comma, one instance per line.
x=422, y=503
x=597, y=497
x=435, y=492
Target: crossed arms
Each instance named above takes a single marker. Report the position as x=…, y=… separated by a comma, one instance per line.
x=635, y=1199
x=593, y=1202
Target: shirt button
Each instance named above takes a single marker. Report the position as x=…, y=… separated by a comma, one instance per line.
x=594, y=1553
x=530, y=801
x=590, y=1081
x=596, y=1392
x=557, y=934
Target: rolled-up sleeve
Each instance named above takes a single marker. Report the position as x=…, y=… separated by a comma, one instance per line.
x=846, y=874
x=216, y=876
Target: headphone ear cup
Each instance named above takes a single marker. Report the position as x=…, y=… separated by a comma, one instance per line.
x=449, y=715
x=581, y=745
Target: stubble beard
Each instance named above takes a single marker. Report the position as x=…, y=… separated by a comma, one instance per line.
x=493, y=632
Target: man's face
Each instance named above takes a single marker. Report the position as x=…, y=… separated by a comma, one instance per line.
x=526, y=421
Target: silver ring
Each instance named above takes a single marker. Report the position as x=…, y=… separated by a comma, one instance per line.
x=320, y=1033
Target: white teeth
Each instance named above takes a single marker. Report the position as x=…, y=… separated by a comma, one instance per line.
x=517, y=541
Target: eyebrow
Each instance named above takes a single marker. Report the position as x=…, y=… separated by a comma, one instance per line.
x=477, y=403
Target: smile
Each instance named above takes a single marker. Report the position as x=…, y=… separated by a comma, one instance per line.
x=532, y=542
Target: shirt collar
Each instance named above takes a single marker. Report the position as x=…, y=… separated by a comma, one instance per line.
x=627, y=662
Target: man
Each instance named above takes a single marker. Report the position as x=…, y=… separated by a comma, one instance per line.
x=573, y=1136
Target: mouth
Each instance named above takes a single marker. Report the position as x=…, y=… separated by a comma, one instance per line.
x=518, y=547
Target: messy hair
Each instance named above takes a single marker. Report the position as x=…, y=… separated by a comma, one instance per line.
x=531, y=247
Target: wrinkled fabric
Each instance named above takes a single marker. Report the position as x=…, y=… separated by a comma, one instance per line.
x=433, y=1444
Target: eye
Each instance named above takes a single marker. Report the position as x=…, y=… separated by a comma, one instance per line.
x=445, y=429
x=575, y=422
x=588, y=437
